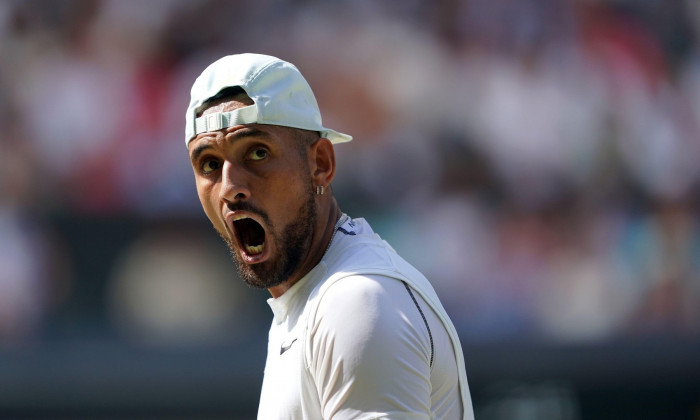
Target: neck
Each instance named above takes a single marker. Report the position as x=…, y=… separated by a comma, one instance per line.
x=323, y=234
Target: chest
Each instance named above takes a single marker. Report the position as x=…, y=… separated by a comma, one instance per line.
x=288, y=391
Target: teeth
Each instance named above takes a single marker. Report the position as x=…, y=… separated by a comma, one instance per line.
x=254, y=249
x=239, y=217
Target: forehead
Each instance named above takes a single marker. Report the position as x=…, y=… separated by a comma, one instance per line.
x=283, y=137
x=269, y=133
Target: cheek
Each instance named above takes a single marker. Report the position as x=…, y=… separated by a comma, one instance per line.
x=293, y=194
x=207, y=196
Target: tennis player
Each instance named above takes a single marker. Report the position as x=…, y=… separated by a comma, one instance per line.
x=358, y=333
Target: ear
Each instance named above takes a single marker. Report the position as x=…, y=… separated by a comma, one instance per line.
x=322, y=162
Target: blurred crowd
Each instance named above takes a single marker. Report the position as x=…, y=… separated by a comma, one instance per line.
x=537, y=160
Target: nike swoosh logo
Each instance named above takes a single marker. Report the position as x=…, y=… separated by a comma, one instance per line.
x=287, y=347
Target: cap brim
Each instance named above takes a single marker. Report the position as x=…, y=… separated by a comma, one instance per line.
x=335, y=137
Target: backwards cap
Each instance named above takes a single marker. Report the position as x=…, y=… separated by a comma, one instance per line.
x=280, y=94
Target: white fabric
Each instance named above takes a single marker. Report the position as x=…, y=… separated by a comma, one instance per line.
x=281, y=95
x=218, y=120
x=348, y=342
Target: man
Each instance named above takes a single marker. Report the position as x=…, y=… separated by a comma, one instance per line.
x=357, y=333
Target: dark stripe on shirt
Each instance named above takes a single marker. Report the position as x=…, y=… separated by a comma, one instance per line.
x=425, y=321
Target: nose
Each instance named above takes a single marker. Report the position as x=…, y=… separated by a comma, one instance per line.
x=234, y=184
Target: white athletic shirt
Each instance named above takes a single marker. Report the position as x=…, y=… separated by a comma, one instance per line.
x=362, y=336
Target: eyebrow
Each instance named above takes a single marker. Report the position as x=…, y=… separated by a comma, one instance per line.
x=237, y=135
x=198, y=151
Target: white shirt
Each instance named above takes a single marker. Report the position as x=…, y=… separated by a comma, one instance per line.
x=350, y=341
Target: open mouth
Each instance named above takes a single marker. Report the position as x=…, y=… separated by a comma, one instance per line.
x=250, y=235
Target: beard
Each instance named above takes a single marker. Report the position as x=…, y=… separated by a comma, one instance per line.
x=293, y=244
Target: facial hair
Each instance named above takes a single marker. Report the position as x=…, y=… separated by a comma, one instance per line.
x=293, y=244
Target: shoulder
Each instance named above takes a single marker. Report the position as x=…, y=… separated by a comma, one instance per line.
x=366, y=293
x=360, y=311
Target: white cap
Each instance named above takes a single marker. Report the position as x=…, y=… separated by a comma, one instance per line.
x=280, y=94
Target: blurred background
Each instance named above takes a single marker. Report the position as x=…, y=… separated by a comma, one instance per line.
x=538, y=160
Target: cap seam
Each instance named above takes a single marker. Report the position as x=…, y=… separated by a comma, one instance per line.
x=257, y=74
x=261, y=70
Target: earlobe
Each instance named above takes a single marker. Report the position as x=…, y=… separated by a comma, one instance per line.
x=323, y=164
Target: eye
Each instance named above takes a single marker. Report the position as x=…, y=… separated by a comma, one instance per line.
x=257, y=154
x=210, y=166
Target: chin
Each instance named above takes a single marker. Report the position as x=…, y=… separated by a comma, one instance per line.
x=256, y=278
